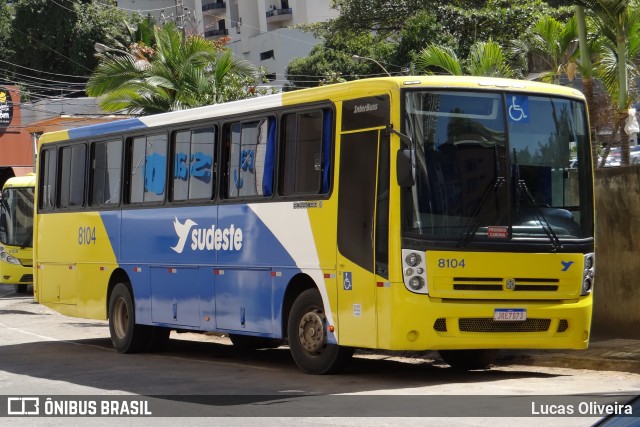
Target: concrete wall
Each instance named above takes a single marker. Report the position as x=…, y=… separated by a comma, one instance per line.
x=617, y=285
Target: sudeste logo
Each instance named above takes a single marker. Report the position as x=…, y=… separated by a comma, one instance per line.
x=209, y=239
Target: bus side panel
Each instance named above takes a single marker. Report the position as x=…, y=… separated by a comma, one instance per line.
x=69, y=261
x=307, y=250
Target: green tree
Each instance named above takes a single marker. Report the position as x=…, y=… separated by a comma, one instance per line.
x=335, y=55
x=178, y=73
x=5, y=31
x=554, y=44
x=419, y=31
x=485, y=59
x=615, y=23
x=59, y=36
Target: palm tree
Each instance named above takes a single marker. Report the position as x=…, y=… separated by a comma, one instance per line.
x=485, y=59
x=586, y=69
x=614, y=23
x=176, y=74
x=554, y=43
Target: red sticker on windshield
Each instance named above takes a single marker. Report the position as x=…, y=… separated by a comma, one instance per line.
x=498, y=232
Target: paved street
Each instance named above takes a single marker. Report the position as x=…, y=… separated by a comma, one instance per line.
x=45, y=354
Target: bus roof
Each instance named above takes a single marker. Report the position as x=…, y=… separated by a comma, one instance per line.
x=29, y=180
x=351, y=89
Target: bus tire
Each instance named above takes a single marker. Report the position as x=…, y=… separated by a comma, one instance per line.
x=21, y=289
x=307, y=334
x=158, y=338
x=126, y=335
x=466, y=360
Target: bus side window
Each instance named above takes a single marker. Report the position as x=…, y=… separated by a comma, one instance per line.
x=148, y=168
x=72, y=176
x=105, y=174
x=251, y=154
x=306, y=153
x=194, y=164
x=48, y=178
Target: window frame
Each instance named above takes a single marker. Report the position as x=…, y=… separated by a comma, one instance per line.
x=213, y=193
x=92, y=145
x=128, y=162
x=72, y=179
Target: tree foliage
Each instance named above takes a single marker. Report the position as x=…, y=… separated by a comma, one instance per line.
x=5, y=30
x=485, y=59
x=59, y=36
x=174, y=74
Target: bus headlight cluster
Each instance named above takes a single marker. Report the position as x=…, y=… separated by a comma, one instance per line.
x=414, y=271
x=5, y=257
x=588, y=275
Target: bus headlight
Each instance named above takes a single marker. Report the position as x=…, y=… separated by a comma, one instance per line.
x=4, y=257
x=413, y=259
x=416, y=283
x=414, y=271
x=588, y=274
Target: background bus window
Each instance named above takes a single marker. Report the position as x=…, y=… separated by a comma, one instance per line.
x=72, y=176
x=305, y=153
x=193, y=164
x=106, y=167
x=48, y=179
x=251, y=155
x=148, y=168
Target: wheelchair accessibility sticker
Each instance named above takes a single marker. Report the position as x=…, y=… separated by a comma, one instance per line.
x=519, y=108
x=346, y=281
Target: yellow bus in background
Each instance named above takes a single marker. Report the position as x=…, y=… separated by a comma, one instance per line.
x=16, y=232
x=405, y=213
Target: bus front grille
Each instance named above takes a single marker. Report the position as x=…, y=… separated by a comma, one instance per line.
x=499, y=284
x=489, y=325
x=481, y=324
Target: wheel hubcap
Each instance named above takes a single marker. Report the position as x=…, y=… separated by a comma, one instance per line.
x=120, y=318
x=311, y=332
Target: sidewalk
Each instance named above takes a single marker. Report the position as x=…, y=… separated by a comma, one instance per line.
x=602, y=355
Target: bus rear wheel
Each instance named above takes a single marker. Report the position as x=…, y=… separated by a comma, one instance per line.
x=307, y=333
x=21, y=289
x=469, y=359
x=126, y=335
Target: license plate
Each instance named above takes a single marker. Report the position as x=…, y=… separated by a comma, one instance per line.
x=509, y=314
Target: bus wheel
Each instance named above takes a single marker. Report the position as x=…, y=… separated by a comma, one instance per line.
x=469, y=359
x=158, y=338
x=21, y=289
x=307, y=333
x=126, y=336
x=247, y=342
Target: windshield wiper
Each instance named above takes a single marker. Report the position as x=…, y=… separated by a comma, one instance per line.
x=521, y=186
x=474, y=221
x=546, y=226
x=27, y=241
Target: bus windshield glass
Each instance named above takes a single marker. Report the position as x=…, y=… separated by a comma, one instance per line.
x=16, y=217
x=497, y=166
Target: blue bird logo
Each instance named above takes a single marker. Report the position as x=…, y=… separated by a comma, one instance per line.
x=566, y=265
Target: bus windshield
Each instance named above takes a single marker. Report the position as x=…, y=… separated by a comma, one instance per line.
x=497, y=166
x=16, y=217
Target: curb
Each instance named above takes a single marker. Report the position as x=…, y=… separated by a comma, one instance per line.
x=571, y=361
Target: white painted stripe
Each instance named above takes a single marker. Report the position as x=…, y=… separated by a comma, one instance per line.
x=225, y=109
x=281, y=218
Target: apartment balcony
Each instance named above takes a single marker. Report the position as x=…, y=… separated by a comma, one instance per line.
x=216, y=33
x=218, y=6
x=277, y=15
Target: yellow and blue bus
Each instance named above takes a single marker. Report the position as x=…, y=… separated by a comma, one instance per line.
x=16, y=232
x=404, y=213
